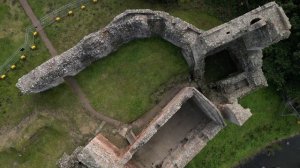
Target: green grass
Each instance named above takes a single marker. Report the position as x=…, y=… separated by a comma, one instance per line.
x=15, y=106
x=41, y=8
x=234, y=144
x=43, y=149
x=54, y=137
x=98, y=15
x=13, y=22
x=60, y=103
x=197, y=17
x=121, y=85
x=4, y=10
x=90, y=20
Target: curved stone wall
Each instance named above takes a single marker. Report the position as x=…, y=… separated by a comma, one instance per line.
x=244, y=37
x=130, y=25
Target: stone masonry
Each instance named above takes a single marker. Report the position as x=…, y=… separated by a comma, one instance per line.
x=245, y=36
x=101, y=153
x=194, y=118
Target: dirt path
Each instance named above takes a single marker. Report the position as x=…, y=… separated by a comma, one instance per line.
x=36, y=23
x=86, y=104
x=69, y=80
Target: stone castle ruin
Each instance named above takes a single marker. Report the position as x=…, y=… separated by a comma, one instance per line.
x=194, y=117
x=173, y=137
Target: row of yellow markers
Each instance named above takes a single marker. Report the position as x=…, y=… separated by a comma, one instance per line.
x=35, y=34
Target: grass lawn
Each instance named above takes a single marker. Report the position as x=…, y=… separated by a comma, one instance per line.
x=121, y=85
x=13, y=21
x=41, y=142
x=43, y=149
x=12, y=27
x=41, y=8
x=65, y=34
x=234, y=143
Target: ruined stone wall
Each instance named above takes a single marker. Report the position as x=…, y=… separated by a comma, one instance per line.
x=98, y=153
x=197, y=140
x=130, y=25
x=101, y=153
x=170, y=109
x=244, y=37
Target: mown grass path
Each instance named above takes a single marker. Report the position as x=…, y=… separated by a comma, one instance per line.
x=69, y=80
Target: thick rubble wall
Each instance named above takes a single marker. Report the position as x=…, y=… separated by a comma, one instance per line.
x=130, y=25
x=245, y=36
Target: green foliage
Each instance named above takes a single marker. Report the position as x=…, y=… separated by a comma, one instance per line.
x=277, y=66
x=282, y=61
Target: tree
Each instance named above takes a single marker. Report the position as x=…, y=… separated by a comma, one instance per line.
x=282, y=61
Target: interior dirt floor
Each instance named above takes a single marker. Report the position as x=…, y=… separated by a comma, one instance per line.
x=170, y=135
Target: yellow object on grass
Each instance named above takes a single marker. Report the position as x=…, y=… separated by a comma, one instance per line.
x=3, y=77
x=23, y=57
x=33, y=47
x=57, y=19
x=35, y=33
x=70, y=13
x=13, y=67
